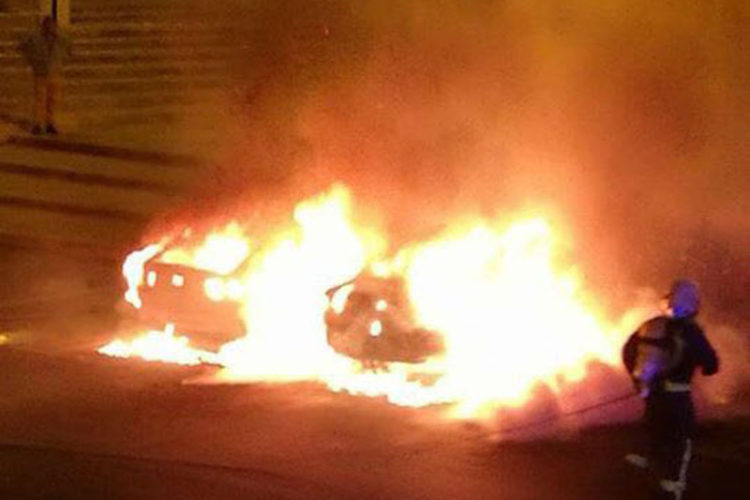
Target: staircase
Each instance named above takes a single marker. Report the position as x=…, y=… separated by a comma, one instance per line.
x=68, y=215
x=132, y=61
x=148, y=62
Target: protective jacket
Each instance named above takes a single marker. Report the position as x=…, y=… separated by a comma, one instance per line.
x=677, y=345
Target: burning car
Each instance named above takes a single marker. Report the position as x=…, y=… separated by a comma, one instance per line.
x=170, y=287
x=196, y=301
x=369, y=318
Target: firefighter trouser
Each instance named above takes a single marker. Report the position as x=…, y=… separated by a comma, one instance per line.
x=670, y=419
x=46, y=90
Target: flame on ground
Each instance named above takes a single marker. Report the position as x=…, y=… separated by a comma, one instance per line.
x=512, y=314
x=159, y=345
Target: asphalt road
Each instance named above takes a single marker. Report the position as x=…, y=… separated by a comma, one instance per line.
x=85, y=427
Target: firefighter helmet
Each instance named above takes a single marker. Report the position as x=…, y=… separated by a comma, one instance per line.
x=683, y=298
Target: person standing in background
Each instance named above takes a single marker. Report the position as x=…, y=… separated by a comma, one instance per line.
x=46, y=51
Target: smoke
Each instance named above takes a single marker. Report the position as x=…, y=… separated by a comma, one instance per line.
x=627, y=121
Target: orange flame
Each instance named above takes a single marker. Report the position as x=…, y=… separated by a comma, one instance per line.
x=132, y=270
x=511, y=318
x=158, y=345
x=220, y=252
x=287, y=284
x=512, y=315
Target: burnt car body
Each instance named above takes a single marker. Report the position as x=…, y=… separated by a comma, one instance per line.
x=194, y=300
x=170, y=291
x=369, y=318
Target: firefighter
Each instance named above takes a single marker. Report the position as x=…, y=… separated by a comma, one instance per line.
x=661, y=357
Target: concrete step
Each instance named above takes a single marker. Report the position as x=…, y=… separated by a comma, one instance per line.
x=51, y=224
x=146, y=40
x=157, y=52
x=118, y=101
x=113, y=5
x=23, y=254
x=172, y=117
x=127, y=55
x=32, y=171
x=11, y=20
x=166, y=114
x=156, y=26
x=126, y=49
x=22, y=83
x=22, y=103
x=113, y=35
x=133, y=30
x=169, y=117
x=8, y=46
x=95, y=198
x=123, y=15
x=117, y=145
x=93, y=118
x=115, y=168
x=133, y=12
x=145, y=69
x=12, y=37
x=171, y=121
x=186, y=7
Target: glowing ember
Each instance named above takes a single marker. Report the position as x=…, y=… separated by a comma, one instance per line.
x=511, y=313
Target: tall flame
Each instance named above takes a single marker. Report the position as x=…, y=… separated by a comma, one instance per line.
x=511, y=317
x=220, y=252
x=287, y=284
x=511, y=313
x=132, y=270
